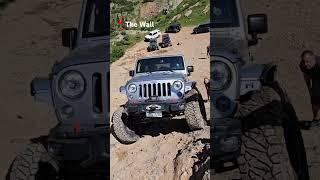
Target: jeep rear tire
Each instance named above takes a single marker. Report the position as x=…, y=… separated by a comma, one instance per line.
x=35, y=163
x=195, y=111
x=264, y=151
x=121, y=129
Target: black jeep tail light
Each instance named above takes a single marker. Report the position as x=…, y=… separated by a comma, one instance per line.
x=97, y=93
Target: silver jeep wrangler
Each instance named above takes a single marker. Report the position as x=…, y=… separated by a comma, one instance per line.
x=159, y=88
x=254, y=124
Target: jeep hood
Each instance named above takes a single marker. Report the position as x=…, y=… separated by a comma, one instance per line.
x=83, y=55
x=229, y=46
x=158, y=76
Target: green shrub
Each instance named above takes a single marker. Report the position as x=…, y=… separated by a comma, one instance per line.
x=116, y=53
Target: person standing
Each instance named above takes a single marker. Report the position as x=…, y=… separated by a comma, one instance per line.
x=310, y=67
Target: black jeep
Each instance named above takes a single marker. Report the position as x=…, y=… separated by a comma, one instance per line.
x=173, y=28
x=202, y=28
x=153, y=45
x=166, y=41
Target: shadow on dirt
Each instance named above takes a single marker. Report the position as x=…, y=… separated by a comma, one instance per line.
x=164, y=126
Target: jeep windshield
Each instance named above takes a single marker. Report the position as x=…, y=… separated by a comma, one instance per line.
x=160, y=64
x=95, y=19
x=225, y=14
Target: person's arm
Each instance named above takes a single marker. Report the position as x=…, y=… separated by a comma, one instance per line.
x=306, y=77
x=308, y=81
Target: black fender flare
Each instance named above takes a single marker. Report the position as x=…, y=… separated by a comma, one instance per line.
x=268, y=76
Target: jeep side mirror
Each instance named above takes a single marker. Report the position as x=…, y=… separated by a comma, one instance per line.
x=131, y=73
x=69, y=37
x=257, y=24
x=190, y=69
x=122, y=90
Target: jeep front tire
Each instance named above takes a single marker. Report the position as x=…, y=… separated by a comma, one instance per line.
x=264, y=151
x=35, y=163
x=195, y=111
x=121, y=128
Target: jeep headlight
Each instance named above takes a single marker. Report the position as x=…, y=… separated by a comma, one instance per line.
x=221, y=75
x=177, y=85
x=72, y=84
x=132, y=88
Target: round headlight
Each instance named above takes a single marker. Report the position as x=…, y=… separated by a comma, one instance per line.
x=72, y=84
x=132, y=88
x=220, y=74
x=177, y=85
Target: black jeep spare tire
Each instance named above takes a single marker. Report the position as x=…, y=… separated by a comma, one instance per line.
x=265, y=154
x=195, y=111
x=35, y=163
x=120, y=128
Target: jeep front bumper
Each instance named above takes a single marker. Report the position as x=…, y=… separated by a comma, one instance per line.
x=226, y=136
x=167, y=109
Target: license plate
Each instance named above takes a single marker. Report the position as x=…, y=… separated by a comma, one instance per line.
x=154, y=114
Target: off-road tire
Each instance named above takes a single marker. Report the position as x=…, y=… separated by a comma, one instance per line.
x=120, y=129
x=194, y=112
x=264, y=151
x=35, y=163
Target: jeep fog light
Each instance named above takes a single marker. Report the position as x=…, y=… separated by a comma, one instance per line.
x=221, y=75
x=177, y=85
x=67, y=111
x=72, y=84
x=132, y=88
x=223, y=103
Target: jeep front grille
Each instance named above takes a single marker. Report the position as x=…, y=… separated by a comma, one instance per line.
x=154, y=89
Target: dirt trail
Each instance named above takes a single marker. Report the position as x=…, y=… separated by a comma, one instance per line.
x=153, y=156
x=30, y=44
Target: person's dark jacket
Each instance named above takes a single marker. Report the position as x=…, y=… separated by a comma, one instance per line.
x=312, y=78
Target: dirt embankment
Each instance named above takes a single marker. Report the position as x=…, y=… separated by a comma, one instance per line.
x=157, y=155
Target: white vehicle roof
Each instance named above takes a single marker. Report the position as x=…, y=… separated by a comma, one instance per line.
x=157, y=30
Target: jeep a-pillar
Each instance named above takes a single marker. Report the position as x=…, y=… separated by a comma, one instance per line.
x=254, y=125
x=77, y=89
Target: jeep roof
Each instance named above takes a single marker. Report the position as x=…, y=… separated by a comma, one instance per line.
x=170, y=55
x=91, y=42
x=175, y=24
x=155, y=31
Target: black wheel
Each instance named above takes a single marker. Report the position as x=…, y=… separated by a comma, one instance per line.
x=121, y=128
x=264, y=151
x=195, y=111
x=35, y=163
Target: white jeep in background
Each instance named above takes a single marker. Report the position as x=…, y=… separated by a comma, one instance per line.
x=152, y=35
